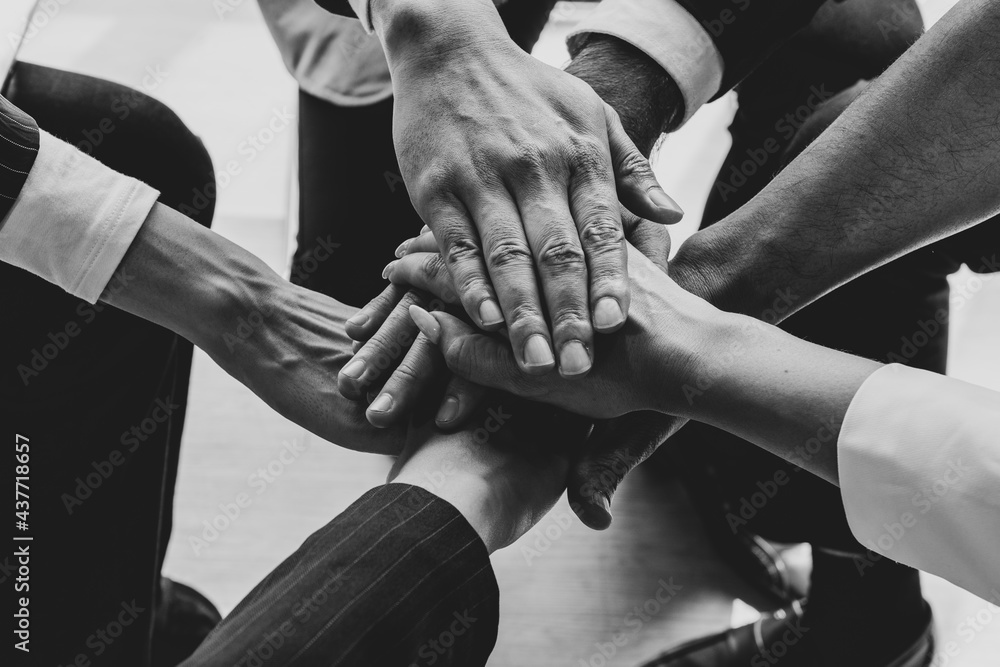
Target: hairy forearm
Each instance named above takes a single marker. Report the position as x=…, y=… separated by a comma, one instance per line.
x=647, y=100
x=911, y=161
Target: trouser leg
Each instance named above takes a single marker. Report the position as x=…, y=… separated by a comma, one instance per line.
x=100, y=394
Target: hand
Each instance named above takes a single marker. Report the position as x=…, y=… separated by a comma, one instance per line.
x=383, y=332
x=503, y=473
x=644, y=366
x=514, y=166
x=287, y=344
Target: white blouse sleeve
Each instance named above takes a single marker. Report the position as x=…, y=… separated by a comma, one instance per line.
x=919, y=464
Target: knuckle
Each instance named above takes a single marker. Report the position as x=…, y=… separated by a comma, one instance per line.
x=589, y=156
x=461, y=250
x=563, y=254
x=528, y=158
x=635, y=165
x=509, y=253
x=602, y=230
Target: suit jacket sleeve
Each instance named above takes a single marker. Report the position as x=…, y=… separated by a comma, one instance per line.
x=400, y=577
x=706, y=46
x=18, y=148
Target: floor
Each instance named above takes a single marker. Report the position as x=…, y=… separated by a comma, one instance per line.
x=566, y=590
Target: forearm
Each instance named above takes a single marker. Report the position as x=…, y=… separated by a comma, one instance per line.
x=911, y=161
x=646, y=98
x=188, y=279
x=779, y=392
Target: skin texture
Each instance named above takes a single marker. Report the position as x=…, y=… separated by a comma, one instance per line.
x=912, y=161
x=680, y=356
x=518, y=168
x=287, y=345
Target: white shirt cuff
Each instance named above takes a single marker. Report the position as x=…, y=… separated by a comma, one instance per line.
x=74, y=219
x=670, y=35
x=919, y=463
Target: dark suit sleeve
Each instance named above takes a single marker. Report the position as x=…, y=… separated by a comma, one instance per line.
x=18, y=148
x=341, y=7
x=746, y=31
x=400, y=577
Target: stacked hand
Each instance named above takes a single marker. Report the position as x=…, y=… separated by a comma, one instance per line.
x=518, y=169
x=623, y=379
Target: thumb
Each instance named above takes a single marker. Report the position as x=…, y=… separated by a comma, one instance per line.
x=617, y=446
x=470, y=354
x=638, y=188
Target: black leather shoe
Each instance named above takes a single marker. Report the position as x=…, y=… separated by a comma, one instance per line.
x=183, y=620
x=765, y=642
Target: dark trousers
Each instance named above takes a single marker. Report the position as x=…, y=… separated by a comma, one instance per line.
x=99, y=395
x=350, y=191
x=782, y=106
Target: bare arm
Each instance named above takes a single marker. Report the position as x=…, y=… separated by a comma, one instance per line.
x=913, y=160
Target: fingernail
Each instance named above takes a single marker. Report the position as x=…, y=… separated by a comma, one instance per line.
x=354, y=369
x=356, y=345
x=448, y=410
x=664, y=201
x=489, y=313
x=387, y=270
x=359, y=319
x=401, y=250
x=381, y=404
x=424, y=230
x=426, y=323
x=537, y=352
x=574, y=359
x=608, y=313
x=603, y=509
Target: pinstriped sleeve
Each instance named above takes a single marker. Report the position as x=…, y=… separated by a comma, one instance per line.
x=400, y=578
x=18, y=148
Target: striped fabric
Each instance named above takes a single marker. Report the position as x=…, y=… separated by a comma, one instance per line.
x=18, y=148
x=399, y=579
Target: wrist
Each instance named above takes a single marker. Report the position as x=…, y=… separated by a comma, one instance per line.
x=425, y=31
x=470, y=495
x=645, y=96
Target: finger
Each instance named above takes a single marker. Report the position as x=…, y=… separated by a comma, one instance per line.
x=650, y=239
x=638, y=188
x=512, y=270
x=407, y=385
x=460, y=245
x=461, y=398
x=377, y=358
x=425, y=271
x=370, y=318
x=473, y=355
x=615, y=448
x=423, y=243
x=597, y=213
